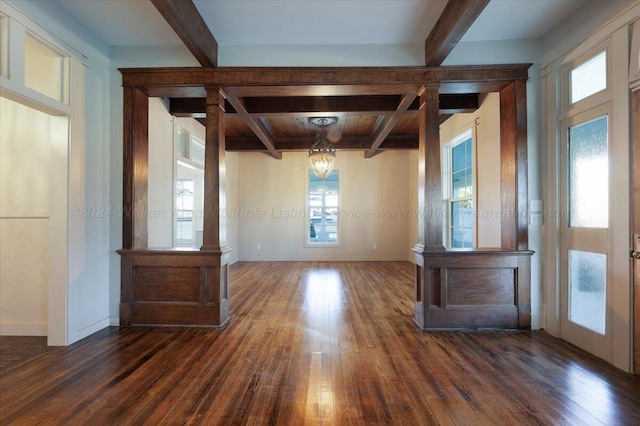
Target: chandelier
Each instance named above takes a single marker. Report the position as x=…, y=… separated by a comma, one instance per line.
x=322, y=154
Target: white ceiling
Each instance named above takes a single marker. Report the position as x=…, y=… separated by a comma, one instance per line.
x=315, y=22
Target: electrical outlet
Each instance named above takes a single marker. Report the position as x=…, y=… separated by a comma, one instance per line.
x=258, y=247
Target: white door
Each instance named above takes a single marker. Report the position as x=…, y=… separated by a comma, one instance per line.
x=585, y=228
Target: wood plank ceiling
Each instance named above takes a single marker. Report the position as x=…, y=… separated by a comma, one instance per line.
x=272, y=120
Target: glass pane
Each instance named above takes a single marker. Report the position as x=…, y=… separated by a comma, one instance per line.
x=589, y=174
x=459, y=184
x=43, y=69
x=197, y=152
x=323, y=208
x=457, y=237
x=589, y=78
x=184, y=209
x=182, y=144
x=587, y=289
x=468, y=238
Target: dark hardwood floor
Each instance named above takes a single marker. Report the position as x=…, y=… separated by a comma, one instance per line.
x=314, y=343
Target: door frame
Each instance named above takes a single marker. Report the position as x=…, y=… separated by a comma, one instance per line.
x=635, y=206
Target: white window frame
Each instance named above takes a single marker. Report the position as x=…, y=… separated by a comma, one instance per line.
x=307, y=225
x=569, y=109
x=446, y=158
x=634, y=62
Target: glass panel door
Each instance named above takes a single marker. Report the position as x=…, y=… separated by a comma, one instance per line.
x=584, y=247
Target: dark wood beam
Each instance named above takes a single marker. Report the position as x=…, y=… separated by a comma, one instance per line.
x=256, y=125
x=347, y=143
x=334, y=105
x=455, y=20
x=388, y=123
x=186, y=21
x=320, y=81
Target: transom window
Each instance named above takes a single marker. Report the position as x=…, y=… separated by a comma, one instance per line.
x=323, y=207
x=458, y=181
x=589, y=77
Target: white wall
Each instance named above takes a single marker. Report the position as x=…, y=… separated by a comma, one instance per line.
x=375, y=207
x=25, y=162
x=161, y=184
x=82, y=305
x=232, y=162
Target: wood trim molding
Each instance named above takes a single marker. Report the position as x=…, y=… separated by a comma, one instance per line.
x=456, y=18
x=186, y=21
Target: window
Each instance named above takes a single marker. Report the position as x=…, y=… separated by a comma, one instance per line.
x=323, y=208
x=189, y=188
x=588, y=146
x=44, y=70
x=185, y=191
x=189, y=147
x=589, y=77
x=458, y=183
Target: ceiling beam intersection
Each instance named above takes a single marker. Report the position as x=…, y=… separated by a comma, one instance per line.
x=256, y=125
x=389, y=123
x=186, y=21
x=456, y=18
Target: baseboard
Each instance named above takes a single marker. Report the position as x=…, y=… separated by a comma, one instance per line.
x=88, y=330
x=114, y=321
x=24, y=328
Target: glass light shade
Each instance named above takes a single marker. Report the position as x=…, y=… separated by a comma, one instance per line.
x=322, y=163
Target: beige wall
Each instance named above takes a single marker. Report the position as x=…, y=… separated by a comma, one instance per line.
x=487, y=133
x=375, y=207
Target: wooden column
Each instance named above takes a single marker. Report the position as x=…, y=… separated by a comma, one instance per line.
x=429, y=198
x=430, y=171
x=135, y=169
x=214, y=238
x=214, y=227
x=513, y=166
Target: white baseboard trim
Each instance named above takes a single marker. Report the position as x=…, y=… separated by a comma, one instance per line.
x=114, y=321
x=92, y=328
x=24, y=328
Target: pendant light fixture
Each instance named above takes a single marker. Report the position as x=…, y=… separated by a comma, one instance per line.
x=322, y=154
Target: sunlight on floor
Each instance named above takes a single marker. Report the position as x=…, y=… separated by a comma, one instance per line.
x=582, y=387
x=323, y=296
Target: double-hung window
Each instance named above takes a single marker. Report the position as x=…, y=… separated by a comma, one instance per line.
x=458, y=191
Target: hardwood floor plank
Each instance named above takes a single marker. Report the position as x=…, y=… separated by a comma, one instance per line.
x=319, y=343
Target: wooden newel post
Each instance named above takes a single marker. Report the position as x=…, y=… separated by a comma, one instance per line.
x=214, y=238
x=430, y=205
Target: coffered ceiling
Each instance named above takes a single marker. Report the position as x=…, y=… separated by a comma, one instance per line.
x=273, y=119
